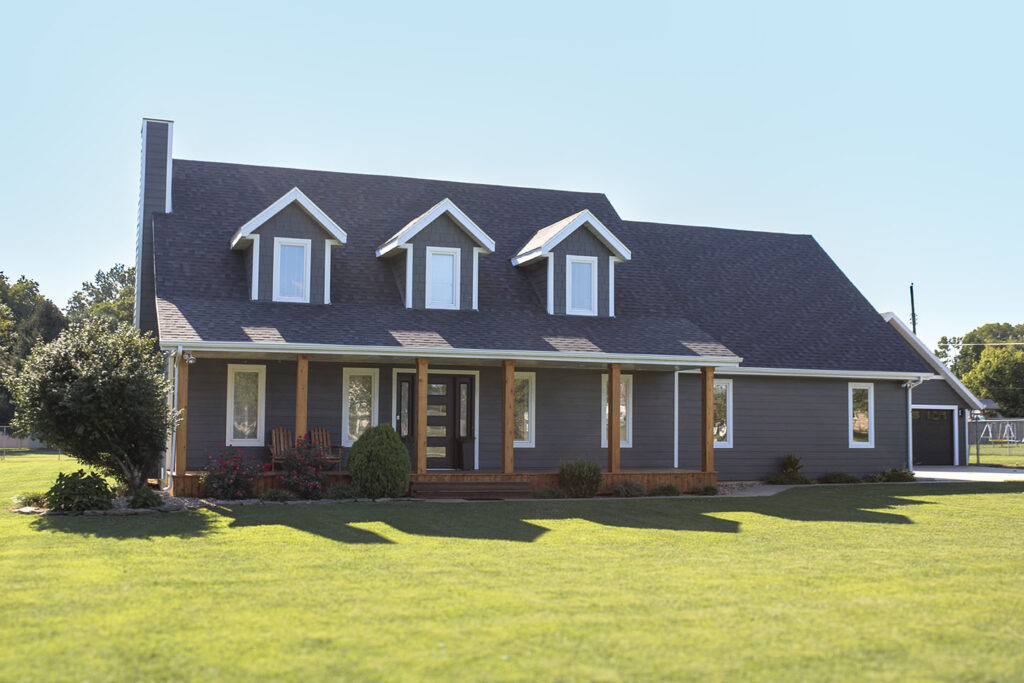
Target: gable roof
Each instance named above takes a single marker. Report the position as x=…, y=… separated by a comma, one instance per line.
x=775, y=300
x=294, y=195
x=445, y=206
x=932, y=360
x=546, y=239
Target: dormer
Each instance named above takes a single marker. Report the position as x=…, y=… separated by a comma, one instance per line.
x=571, y=264
x=435, y=258
x=287, y=249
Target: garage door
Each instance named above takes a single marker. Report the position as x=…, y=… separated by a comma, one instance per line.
x=933, y=437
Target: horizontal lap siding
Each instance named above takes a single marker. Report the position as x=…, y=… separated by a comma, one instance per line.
x=775, y=416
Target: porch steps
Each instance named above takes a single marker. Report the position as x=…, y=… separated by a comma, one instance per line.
x=471, y=490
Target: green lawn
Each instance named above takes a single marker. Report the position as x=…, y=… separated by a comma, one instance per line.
x=1011, y=455
x=888, y=581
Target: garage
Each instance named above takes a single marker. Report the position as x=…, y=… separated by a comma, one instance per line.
x=934, y=436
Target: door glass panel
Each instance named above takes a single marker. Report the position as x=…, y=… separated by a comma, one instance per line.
x=437, y=410
x=247, y=405
x=437, y=389
x=463, y=410
x=436, y=452
x=437, y=430
x=403, y=413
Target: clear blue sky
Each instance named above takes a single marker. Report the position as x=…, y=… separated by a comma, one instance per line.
x=892, y=132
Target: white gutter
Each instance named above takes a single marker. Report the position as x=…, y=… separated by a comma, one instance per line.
x=826, y=374
x=910, y=419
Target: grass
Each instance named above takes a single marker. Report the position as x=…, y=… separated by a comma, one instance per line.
x=1011, y=455
x=889, y=581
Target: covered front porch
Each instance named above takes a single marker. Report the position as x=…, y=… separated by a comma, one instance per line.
x=493, y=447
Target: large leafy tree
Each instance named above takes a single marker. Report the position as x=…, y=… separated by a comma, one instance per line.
x=999, y=374
x=110, y=297
x=961, y=353
x=99, y=396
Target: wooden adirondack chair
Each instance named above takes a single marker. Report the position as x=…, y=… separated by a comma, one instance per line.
x=281, y=443
x=321, y=437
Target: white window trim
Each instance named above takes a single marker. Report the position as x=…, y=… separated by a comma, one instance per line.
x=346, y=375
x=292, y=242
x=328, y=246
x=728, y=413
x=569, y=260
x=625, y=440
x=476, y=276
x=261, y=424
x=255, y=285
x=871, y=413
x=457, y=253
x=532, y=441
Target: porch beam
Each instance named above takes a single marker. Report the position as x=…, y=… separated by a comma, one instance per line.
x=301, y=396
x=614, y=426
x=181, y=404
x=421, y=415
x=508, y=375
x=707, y=419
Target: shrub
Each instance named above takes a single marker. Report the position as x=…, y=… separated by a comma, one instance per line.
x=278, y=496
x=706, y=490
x=304, y=470
x=232, y=475
x=791, y=465
x=787, y=478
x=34, y=499
x=580, y=478
x=839, y=478
x=897, y=475
x=145, y=498
x=664, y=490
x=875, y=478
x=101, y=397
x=549, y=492
x=629, y=489
x=79, y=491
x=342, y=491
x=379, y=463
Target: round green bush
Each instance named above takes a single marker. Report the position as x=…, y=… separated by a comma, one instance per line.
x=379, y=463
x=145, y=498
x=664, y=490
x=580, y=478
x=79, y=491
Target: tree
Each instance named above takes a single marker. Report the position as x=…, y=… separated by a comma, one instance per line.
x=961, y=353
x=999, y=374
x=110, y=297
x=99, y=396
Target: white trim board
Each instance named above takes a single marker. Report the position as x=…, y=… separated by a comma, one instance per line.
x=445, y=206
x=956, y=425
x=546, y=239
x=823, y=374
x=443, y=371
x=294, y=195
x=328, y=246
x=870, y=388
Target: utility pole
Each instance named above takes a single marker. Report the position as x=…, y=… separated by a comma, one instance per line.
x=913, y=312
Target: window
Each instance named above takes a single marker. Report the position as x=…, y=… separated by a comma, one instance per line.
x=359, y=402
x=581, y=285
x=443, y=277
x=524, y=410
x=723, y=413
x=291, y=269
x=861, y=412
x=247, y=398
x=625, y=411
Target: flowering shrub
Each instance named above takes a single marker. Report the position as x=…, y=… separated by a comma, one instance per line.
x=232, y=475
x=304, y=470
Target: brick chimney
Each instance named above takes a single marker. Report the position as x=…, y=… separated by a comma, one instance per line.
x=154, y=197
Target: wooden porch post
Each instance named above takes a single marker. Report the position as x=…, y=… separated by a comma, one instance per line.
x=181, y=403
x=421, y=415
x=707, y=419
x=508, y=376
x=301, y=396
x=614, y=428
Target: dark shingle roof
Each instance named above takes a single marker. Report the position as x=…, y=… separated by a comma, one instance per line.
x=777, y=300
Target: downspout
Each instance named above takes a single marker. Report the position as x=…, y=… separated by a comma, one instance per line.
x=910, y=419
x=174, y=403
x=675, y=418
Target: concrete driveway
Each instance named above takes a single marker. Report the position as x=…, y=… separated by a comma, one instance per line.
x=969, y=473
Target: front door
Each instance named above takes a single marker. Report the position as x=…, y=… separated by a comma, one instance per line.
x=449, y=418
x=933, y=436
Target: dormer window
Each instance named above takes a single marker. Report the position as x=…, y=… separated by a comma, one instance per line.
x=581, y=285
x=291, y=269
x=444, y=266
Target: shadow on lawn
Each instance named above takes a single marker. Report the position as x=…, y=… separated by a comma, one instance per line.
x=177, y=524
x=522, y=521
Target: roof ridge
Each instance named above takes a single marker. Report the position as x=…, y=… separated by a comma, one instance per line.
x=658, y=224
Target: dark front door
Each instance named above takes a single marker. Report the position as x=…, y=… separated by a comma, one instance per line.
x=449, y=418
x=442, y=446
x=933, y=437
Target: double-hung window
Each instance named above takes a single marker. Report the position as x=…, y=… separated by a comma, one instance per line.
x=861, y=411
x=723, y=413
x=581, y=285
x=359, y=402
x=524, y=410
x=292, y=258
x=246, y=410
x=625, y=411
x=443, y=277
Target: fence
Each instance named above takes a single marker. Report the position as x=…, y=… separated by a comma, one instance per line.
x=8, y=442
x=996, y=442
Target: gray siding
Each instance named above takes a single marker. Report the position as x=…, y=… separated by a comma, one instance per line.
x=292, y=222
x=581, y=243
x=538, y=277
x=443, y=232
x=152, y=199
x=775, y=416
x=398, y=271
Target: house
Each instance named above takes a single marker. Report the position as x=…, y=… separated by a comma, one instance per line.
x=941, y=407
x=502, y=330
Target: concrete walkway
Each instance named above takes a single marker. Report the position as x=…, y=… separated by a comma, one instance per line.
x=969, y=473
